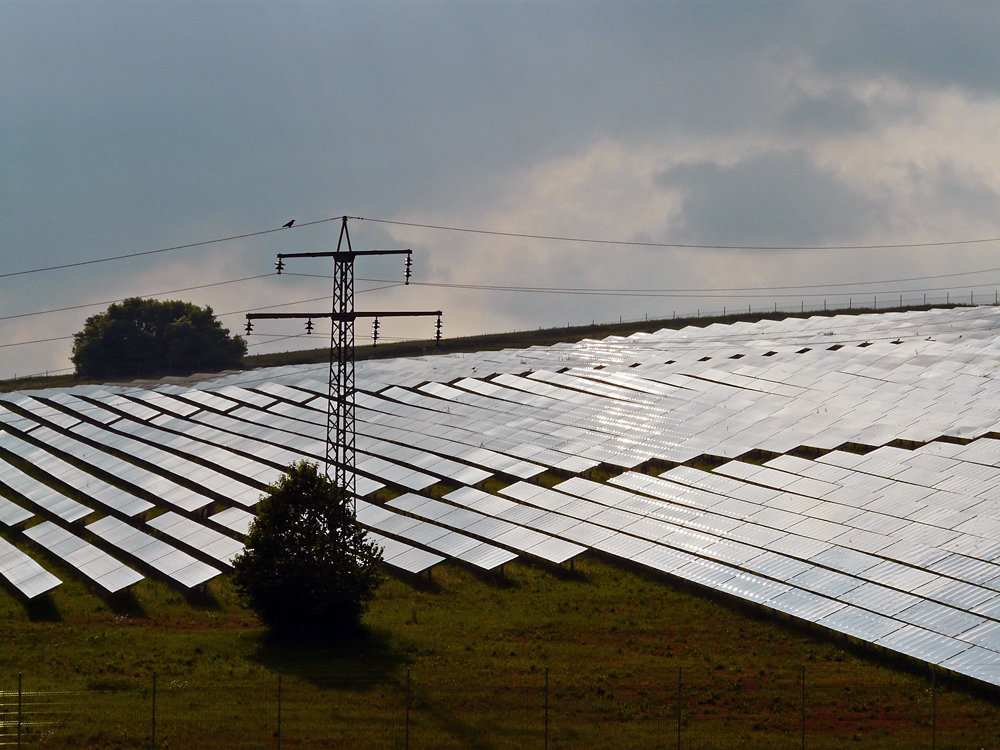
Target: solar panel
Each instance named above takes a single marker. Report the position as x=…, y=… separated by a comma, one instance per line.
x=891, y=545
x=234, y=519
x=27, y=576
x=92, y=562
x=12, y=514
x=404, y=557
x=436, y=538
x=40, y=495
x=165, y=559
x=192, y=534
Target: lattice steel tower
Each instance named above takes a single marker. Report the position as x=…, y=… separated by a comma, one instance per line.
x=340, y=415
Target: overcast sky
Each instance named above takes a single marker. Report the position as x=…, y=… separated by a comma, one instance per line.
x=129, y=127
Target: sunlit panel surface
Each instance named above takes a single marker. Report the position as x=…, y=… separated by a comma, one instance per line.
x=839, y=470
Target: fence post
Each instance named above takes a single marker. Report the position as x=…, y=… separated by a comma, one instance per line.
x=679, y=707
x=546, y=708
x=803, y=707
x=279, y=709
x=933, y=708
x=152, y=742
x=407, y=745
x=19, y=714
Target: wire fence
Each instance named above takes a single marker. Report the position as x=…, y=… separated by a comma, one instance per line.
x=711, y=710
x=834, y=303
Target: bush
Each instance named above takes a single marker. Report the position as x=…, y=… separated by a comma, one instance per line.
x=307, y=567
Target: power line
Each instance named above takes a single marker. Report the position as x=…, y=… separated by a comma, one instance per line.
x=678, y=245
x=114, y=301
x=304, y=301
x=693, y=294
x=341, y=408
x=163, y=249
x=36, y=341
x=622, y=291
x=497, y=233
x=218, y=315
x=182, y=289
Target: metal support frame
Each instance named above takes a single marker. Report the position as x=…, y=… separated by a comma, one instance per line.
x=340, y=412
x=340, y=416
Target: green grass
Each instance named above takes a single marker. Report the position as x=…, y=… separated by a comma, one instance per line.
x=614, y=642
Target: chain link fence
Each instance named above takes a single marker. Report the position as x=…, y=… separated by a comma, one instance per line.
x=712, y=710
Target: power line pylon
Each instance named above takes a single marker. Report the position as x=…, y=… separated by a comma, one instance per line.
x=340, y=415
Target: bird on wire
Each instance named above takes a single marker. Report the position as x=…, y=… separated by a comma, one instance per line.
x=288, y=225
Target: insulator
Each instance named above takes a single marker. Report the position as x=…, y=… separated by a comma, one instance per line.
x=409, y=265
x=280, y=265
x=309, y=325
x=437, y=332
x=375, y=325
x=249, y=327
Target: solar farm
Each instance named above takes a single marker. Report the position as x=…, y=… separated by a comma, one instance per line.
x=838, y=470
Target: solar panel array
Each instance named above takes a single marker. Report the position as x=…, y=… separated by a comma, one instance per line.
x=842, y=470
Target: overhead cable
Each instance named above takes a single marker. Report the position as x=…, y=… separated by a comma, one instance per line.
x=163, y=249
x=122, y=299
x=497, y=233
x=679, y=245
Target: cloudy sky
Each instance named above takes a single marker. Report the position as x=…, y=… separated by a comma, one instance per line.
x=782, y=135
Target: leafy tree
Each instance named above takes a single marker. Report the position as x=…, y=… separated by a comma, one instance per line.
x=146, y=336
x=307, y=567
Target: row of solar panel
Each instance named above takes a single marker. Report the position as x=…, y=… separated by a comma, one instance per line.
x=168, y=522
x=575, y=419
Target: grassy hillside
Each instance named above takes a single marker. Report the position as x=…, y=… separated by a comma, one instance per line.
x=614, y=641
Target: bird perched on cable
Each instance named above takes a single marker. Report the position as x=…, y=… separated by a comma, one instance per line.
x=288, y=225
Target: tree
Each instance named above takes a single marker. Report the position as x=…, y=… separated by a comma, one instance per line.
x=307, y=567
x=146, y=336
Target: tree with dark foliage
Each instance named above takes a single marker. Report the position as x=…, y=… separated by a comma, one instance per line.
x=307, y=568
x=139, y=337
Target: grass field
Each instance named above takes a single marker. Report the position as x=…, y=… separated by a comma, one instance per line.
x=614, y=641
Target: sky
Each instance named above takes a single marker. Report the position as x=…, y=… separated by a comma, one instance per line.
x=679, y=158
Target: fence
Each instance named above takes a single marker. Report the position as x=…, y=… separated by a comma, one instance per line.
x=711, y=710
x=885, y=302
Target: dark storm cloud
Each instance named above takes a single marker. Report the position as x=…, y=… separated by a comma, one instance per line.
x=137, y=115
x=776, y=198
x=919, y=42
x=947, y=190
x=831, y=112
x=144, y=116
x=133, y=126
